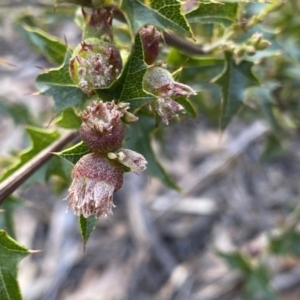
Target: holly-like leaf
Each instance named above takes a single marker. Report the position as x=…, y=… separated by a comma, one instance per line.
x=11, y=253
x=87, y=225
x=138, y=138
x=214, y=13
x=74, y=153
x=59, y=84
x=129, y=86
x=233, y=81
x=51, y=47
x=68, y=119
x=164, y=14
x=40, y=139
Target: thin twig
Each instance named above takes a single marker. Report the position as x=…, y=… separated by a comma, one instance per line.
x=9, y=185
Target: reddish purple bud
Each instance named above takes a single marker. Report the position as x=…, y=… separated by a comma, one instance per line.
x=95, y=179
x=102, y=129
x=150, y=37
x=95, y=64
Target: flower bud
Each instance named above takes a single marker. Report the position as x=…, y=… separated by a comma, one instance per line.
x=255, y=39
x=95, y=179
x=239, y=51
x=129, y=118
x=150, y=37
x=250, y=50
x=131, y=159
x=159, y=82
x=95, y=64
x=102, y=129
x=263, y=44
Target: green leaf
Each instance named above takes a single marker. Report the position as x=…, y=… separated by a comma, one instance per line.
x=18, y=112
x=51, y=47
x=258, y=283
x=11, y=254
x=58, y=167
x=236, y=260
x=188, y=106
x=87, y=225
x=225, y=14
x=286, y=243
x=68, y=118
x=40, y=139
x=59, y=84
x=74, y=153
x=164, y=14
x=233, y=81
x=256, y=277
x=9, y=206
x=129, y=86
x=138, y=138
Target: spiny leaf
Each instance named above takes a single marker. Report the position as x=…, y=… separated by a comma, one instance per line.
x=68, y=119
x=74, y=153
x=40, y=139
x=11, y=253
x=164, y=14
x=59, y=84
x=51, y=47
x=214, y=13
x=87, y=225
x=139, y=139
x=129, y=86
x=233, y=81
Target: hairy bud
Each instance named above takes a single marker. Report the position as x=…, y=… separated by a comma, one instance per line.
x=102, y=129
x=95, y=64
x=95, y=179
x=150, y=37
x=129, y=158
x=159, y=82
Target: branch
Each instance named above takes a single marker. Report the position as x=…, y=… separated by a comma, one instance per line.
x=9, y=185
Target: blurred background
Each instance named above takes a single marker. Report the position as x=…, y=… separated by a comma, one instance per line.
x=231, y=234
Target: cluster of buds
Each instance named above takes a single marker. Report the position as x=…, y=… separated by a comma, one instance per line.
x=159, y=82
x=96, y=176
x=250, y=47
